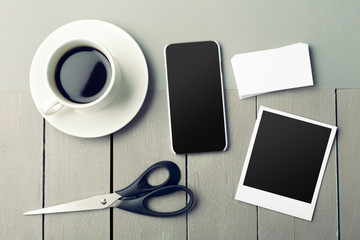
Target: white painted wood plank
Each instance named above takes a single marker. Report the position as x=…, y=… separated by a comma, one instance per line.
x=146, y=141
x=318, y=105
x=348, y=105
x=143, y=142
x=214, y=178
x=76, y=168
x=21, y=166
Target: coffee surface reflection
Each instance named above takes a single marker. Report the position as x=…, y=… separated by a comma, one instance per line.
x=82, y=74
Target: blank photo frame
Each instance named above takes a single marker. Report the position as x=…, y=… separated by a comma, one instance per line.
x=285, y=163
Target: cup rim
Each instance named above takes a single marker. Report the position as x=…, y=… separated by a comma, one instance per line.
x=74, y=43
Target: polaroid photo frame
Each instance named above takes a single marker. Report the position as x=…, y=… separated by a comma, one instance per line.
x=285, y=163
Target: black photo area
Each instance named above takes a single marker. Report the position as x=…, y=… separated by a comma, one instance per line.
x=287, y=156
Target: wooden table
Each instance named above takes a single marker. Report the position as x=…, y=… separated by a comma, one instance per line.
x=41, y=166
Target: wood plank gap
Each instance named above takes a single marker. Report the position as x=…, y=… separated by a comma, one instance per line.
x=257, y=223
x=337, y=168
x=186, y=199
x=111, y=184
x=43, y=181
x=256, y=107
x=257, y=208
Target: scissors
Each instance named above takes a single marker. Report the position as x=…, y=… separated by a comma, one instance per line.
x=133, y=198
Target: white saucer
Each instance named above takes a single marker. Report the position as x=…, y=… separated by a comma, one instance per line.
x=133, y=89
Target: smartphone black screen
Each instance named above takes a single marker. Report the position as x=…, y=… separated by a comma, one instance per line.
x=195, y=94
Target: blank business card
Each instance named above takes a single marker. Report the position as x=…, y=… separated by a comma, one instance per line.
x=272, y=70
x=285, y=163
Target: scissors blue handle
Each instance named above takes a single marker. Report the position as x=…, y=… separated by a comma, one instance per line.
x=134, y=198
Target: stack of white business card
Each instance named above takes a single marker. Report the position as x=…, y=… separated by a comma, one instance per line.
x=272, y=70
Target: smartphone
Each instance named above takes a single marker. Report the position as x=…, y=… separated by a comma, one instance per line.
x=195, y=97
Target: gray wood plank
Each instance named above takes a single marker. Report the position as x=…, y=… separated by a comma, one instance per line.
x=214, y=178
x=317, y=105
x=143, y=142
x=348, y=112
x=21, y=166
x=76, y=168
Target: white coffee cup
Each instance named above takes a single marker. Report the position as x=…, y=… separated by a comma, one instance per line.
x=57, y=100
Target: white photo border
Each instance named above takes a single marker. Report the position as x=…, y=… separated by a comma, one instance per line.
x=277, y=202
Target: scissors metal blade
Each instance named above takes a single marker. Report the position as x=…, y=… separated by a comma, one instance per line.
x=92, y=203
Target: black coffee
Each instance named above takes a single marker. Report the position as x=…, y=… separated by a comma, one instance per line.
x=82, y=74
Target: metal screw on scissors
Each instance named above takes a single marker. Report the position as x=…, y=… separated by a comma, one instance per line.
x=132, y=198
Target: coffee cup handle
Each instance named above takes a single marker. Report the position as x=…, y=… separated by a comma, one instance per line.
x=51, y=106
